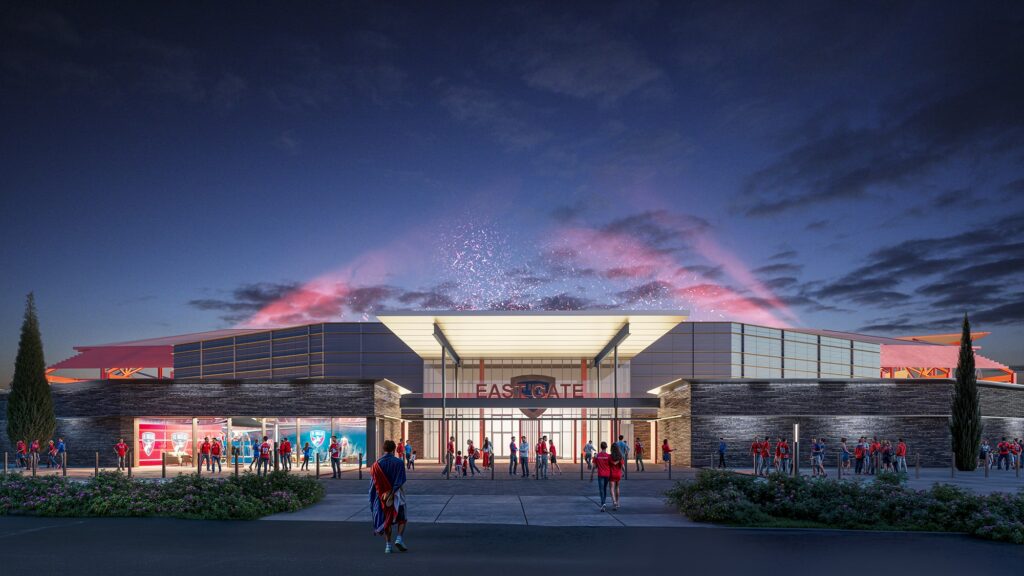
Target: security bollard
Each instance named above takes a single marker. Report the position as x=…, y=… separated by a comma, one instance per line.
x=199, y=466
x=236, y=465
x=986, y=466
x=839, y=466
x=952, y=466
x=277, y=458
x=670, y=469
x=917, y=466
x=163, y=464
x=5, y=463
x=712, y=459
x=583, y=456
x=360, y=465
x=128, y=457
x=64, y=464
x=492, y=468
x=33, y=461
x=317, y=465
x=97, y=464
x=1018, y=466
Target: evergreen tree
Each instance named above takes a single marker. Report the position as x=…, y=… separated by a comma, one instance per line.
x=965, y=407
x=29, y=405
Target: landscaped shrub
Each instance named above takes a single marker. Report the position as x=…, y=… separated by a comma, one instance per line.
x=743, y=500
x=246, y=497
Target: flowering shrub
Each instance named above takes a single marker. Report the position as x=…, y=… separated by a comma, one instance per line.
x=885, y=504
x=188, y=496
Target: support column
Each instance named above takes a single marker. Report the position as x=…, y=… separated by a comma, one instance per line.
x=615, y=392
x=444, y=403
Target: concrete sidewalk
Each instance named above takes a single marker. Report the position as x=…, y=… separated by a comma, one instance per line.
x=578, y=510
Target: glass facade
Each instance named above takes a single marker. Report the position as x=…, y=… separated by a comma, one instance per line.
x=364, y=350
x=734, y=350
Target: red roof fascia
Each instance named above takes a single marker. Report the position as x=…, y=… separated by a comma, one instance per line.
x=930, y=356
x=119, y=357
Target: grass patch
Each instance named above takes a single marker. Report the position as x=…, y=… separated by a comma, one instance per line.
x=884, y=504
x=246, y=497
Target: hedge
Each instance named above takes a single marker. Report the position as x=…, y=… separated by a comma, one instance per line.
x=884, y=504
x=245, y=497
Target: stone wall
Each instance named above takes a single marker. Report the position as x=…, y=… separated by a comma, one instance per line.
x=699, y=412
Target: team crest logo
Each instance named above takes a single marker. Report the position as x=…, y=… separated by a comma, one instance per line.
x=148, y=442
x=533, y=386
x=317, y=437
x=179, y=440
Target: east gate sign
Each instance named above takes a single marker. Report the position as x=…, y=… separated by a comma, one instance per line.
x=530, y=386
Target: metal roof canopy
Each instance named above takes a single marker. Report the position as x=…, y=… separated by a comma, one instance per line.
x=530, y=334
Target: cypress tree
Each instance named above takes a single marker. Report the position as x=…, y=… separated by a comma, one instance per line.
x=965, y=406
x=29, y=405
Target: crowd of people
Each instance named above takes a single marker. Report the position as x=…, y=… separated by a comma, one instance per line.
x=866, y=457
x=28, y=455
x=1005, y=455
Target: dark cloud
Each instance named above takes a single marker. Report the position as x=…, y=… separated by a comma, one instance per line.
x=914, y=132
x=660, y=229
x=563, y=301
x=647, y=292
x=245, y=300
x=779, y=268
x=817, y=225
x=783, y=255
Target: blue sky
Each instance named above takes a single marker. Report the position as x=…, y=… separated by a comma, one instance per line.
x=182, y=168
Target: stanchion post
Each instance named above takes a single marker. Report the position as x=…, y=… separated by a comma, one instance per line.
x=318, y=465
x=97, y=464
x=360, y=465
x=163, y=464
x=128, y=458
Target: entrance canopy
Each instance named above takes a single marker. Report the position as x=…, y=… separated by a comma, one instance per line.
x=531, y=334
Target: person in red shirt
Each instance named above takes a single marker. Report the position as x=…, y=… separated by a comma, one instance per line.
x=400, y=450
x=34, y=453
x=286, y=453
x=638, y=455
x=542, y=458
x=1004, y=454
x=204, y=454
x=782, y=455
x=873, y=453
x=334, y=451
x=215, y=450
x=121, y=449
x=616, y=463
x=51, y=454
x=755, y=455
x=901, y=456
x=666, y=453
x=22, y=452
x=766, y=452
x=449, y=457
x=265, y=451
x=603, y=468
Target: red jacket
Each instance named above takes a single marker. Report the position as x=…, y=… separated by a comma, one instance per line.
x=285, y=447
x=215, y=449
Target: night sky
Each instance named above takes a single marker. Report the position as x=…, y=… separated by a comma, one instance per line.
x=856, y=166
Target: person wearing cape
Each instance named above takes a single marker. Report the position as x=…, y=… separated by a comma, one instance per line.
x=387, y=497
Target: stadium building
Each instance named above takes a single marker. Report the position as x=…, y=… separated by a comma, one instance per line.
x=572, y=376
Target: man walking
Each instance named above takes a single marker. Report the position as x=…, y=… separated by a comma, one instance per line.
x=387, y=497
x=449, y=457
x=204, y=453
x=265, y=451
x=901, y=456
x=638, y=453
x=524, y=457
x=121, y=449
x=623, y=448
x=588, y=453
x=513, y=459
x=408, y=455
x=334, y=451
x=215, y=450
x=542, y=458
x=1004, y=454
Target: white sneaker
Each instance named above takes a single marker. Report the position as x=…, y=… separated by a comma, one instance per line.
x=387, y=548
